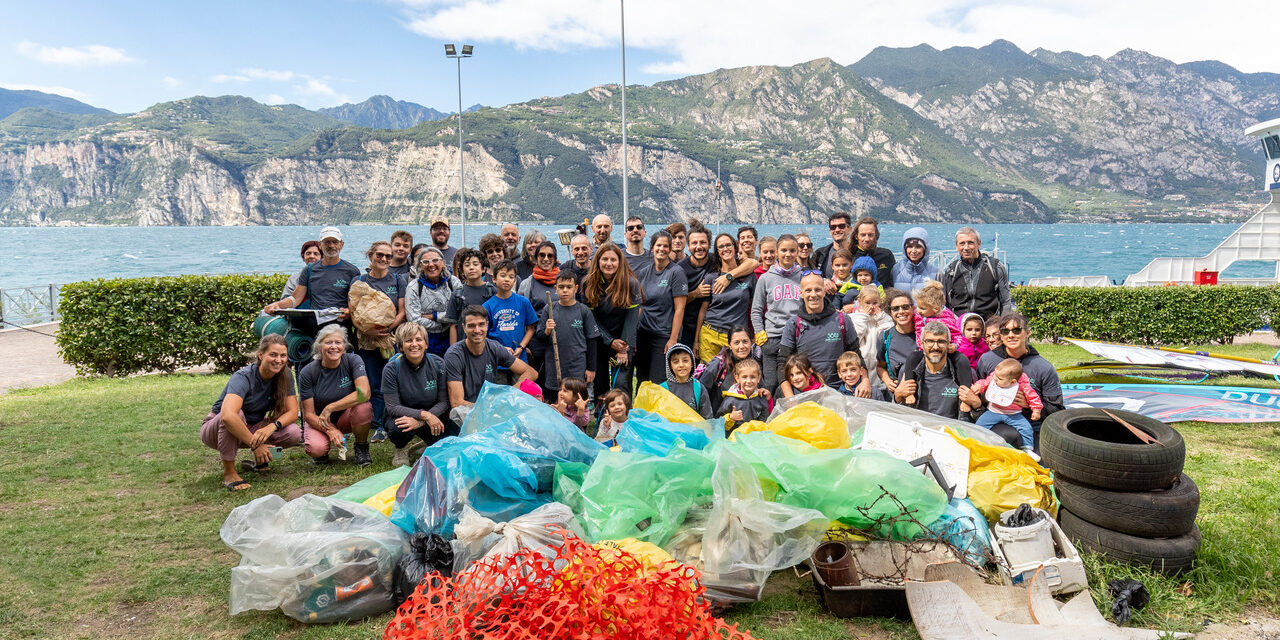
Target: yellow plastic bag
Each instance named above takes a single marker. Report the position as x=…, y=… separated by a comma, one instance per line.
x=650, y=555
x=809, y=422
x=384, y=500
x=655, y=399
x=1001, y=478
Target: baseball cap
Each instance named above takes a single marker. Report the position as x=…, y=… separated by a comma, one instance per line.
x=331, y=232
x=440, y=221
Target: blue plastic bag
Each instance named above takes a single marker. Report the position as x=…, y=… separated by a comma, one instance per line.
x=650, y=433
x=503, y=467
x=422, y=500
x=965, y=528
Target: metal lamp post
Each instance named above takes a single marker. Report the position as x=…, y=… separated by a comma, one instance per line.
x=622, y=9
x=451, y=52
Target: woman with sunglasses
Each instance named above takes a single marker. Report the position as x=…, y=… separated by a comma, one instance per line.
x=546, y=266
x=730, y=307
x=613, y=294
x=898, y=342
x=1044, y=378
x=380, y=277
x=427, y=299
x=805, y=259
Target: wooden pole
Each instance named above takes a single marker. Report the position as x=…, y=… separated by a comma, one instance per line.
x=555, y=344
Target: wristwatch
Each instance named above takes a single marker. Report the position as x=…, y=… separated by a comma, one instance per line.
x=278, y=425
x=729, y=277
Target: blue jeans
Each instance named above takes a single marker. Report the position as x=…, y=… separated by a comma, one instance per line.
x=1018, y=421
x=373, y=364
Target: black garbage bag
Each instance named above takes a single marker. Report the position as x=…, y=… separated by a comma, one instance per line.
x=1024, y=516
x=427, y=553
x=1130, y=595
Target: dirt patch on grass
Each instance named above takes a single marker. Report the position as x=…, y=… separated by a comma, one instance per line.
x=1254, y=624
x=780, y=619
x=864, y=631
x=156, y=619
x=320, y=490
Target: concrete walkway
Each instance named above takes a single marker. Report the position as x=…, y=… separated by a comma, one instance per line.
x=29, y=358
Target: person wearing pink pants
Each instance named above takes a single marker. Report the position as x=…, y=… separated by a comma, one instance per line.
x=258, y=409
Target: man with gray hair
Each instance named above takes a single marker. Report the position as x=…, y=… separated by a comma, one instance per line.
x=975, y=282
x=934, y=380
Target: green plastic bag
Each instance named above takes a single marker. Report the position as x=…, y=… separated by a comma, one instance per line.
x=566, y=485
x=373, y=485
x=635, y=495
x=844, y=484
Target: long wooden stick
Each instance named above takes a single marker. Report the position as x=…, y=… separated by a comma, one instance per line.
x=555, y=344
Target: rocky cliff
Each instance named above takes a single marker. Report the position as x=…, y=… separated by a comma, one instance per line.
x=963, y=135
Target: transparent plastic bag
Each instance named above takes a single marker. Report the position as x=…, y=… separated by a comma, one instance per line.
x=422, y=501
x=633, y=495
x=854, y=410
x=809, y=422
x=479, y=537
x=316, y=559
x=653, y=434
x=844, y=484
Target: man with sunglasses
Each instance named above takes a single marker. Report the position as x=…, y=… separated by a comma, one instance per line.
x=975, y=282
x=1041, y=374
x=838, y=224
x=637, y=255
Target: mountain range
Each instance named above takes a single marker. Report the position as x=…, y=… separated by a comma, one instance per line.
x=990, y=134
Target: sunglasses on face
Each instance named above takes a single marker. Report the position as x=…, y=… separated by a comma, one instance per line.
x=547, y=255
x=806, y=245
x=900, y=307
x=634, y=227
x=383, y=256
x=1006, y=331
x=724, y=247
x=838, y=226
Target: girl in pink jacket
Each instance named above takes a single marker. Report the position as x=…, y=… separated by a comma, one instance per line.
x=930, y=306
x=973, y=341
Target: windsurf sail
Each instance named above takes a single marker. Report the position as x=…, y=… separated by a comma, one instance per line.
x=1179, y=403
x=1178, y=358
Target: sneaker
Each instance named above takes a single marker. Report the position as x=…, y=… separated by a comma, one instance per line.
x=400, y=458
x=378, y=435
x=324, y=459
x=362, y=458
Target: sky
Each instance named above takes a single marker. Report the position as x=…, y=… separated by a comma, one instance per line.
x=127, y=55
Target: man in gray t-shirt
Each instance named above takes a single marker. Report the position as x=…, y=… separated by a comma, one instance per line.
x=470, y=362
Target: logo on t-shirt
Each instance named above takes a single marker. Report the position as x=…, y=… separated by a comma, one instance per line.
x=663, y=283
x=429, y=386
x=488, y=369
x=577, y=324
x=340, y=283
x=834, y=336
x=345, y=381
x=505, y=320
x=950, y=391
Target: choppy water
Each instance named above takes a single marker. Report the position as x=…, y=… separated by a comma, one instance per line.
x=36, y=256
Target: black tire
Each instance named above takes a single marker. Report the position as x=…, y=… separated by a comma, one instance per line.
x=1169, y=556
x=1163, y=513
x=1088, y=447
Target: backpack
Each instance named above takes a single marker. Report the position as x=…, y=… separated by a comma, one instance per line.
x=843, y=340
x=697, y=393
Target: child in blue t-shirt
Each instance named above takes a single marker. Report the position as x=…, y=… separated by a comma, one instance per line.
x=511, y=315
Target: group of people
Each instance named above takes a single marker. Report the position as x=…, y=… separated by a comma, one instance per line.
x=726, y=322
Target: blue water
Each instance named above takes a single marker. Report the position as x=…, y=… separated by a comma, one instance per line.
x=37, y=256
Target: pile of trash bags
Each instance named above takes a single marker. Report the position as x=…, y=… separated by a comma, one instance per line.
x=676, y=494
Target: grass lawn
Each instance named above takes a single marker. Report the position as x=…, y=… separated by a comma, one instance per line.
x=111, y=507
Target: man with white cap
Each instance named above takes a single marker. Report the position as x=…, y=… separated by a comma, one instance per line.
x=323, y=284
x=440, y=239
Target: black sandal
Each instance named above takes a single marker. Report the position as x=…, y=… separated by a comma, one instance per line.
x=232, y=486
x=250, y=465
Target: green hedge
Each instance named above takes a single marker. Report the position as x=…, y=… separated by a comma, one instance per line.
x=1148, y=315
x=124, y=326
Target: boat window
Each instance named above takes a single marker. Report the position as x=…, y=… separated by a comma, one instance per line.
x=1273, y=147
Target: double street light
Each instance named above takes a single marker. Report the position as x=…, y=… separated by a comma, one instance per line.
x=450, y=51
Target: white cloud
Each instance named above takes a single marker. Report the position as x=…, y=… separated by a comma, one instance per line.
x=268, y=74
x=93, y=55
x=62, y=91
x=223, y=78
x=694, y=37
x=170, y=81
x=276, y=98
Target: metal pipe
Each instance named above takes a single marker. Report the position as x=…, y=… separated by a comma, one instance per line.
x=622, y=5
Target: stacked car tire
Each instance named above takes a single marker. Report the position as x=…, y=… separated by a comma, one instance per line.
x=1120, y=497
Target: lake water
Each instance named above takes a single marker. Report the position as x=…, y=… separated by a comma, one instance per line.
x=38, y=256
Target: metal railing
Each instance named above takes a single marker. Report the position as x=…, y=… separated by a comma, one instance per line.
x=28, y=305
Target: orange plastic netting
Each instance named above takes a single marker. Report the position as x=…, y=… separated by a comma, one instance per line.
x=581, y=592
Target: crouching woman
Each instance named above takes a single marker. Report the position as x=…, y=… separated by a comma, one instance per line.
x=417, y=396
x=258, y=409
x=335, y=397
